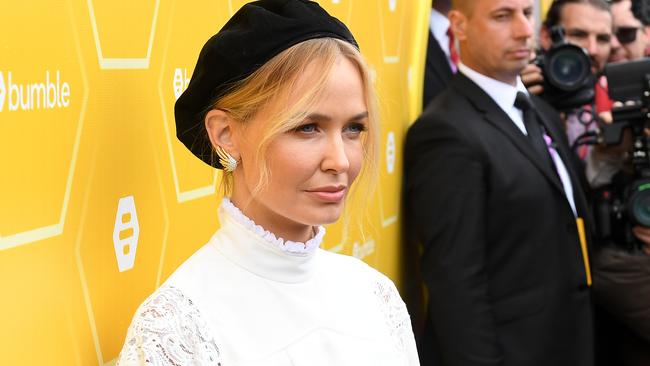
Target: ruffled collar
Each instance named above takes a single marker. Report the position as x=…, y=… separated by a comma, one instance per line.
x=288, y=246
x=259, y=252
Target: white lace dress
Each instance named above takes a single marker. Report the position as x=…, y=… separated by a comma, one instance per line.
x=247, y=298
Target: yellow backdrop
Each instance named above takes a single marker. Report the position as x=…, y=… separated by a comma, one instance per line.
x=98, y=201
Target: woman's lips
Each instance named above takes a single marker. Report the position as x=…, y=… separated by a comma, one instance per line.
x=329, y=194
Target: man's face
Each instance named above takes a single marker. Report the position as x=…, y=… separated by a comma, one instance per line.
x=590, y=28
x=630, y=32
x=496, y=36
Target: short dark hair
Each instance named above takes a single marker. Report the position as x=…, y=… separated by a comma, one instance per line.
x=555, y=11
x=641, y=11
x=463, y=6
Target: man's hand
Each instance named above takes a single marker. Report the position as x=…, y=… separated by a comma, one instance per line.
x=643, y=233
x=606, y=117
x=620, y=150
x=533, y=79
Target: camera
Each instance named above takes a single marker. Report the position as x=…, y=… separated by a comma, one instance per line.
x=625, y=202
x=568, y=79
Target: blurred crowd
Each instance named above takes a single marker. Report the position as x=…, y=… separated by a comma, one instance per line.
x=525, y=185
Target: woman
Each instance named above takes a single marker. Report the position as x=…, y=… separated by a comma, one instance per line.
x=286, y=103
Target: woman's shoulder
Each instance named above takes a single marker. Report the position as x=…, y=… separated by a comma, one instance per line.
x=168, y=329
x=357, y=277
x=374, y=290
x=352, y=268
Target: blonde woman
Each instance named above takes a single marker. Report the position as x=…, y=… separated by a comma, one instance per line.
x=283, y=100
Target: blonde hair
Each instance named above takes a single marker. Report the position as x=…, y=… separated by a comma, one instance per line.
x=271, y=86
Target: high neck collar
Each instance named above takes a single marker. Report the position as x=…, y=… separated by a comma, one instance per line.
x=261, y=252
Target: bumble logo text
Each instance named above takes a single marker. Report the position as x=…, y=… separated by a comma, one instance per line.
x=126, y=233
x=52, y=92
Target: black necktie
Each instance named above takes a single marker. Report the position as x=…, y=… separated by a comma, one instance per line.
x=533, y=127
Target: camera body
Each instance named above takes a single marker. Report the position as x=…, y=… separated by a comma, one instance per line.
x=568, y=79
x=619, y=207
x=625, y=202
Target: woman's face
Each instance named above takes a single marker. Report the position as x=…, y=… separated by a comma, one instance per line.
x=313, y=166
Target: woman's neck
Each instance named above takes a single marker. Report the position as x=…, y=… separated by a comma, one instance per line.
x=280, y=226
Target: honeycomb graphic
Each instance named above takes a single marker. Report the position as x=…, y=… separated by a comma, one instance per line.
x=99, y=202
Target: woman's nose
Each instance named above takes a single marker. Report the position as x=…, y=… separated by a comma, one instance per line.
x=335, y=158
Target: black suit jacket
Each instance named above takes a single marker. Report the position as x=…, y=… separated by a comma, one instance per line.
x=502, y=259
x=437, y=72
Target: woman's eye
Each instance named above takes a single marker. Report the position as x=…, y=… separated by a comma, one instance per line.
x=306, y=128
x=356, y=128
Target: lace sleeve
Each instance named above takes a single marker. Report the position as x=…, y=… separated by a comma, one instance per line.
x=168, y=329
x=397, y=319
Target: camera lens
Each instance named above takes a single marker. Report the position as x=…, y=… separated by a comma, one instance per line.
x=568, y=67
x=639, y=206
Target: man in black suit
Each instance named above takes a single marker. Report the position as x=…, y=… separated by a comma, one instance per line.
x=497, y=207
x=439, y=66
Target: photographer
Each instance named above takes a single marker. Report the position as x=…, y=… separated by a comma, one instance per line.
x=622, y=264
x=621, y=276
x=586, y=24
x=631, y=42
x=632, y=30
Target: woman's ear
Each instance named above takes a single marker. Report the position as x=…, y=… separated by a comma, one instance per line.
x=220, y=128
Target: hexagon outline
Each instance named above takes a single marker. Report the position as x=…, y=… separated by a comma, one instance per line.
x=116, y=63
x=390, y=59
x=165, y=210
x=49, y=231
x=80, y=266
x=196, y=193
x=82, y=275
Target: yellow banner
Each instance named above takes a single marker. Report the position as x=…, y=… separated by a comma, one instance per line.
x=99, y=202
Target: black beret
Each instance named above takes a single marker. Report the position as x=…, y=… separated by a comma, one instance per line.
x=259, y=31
